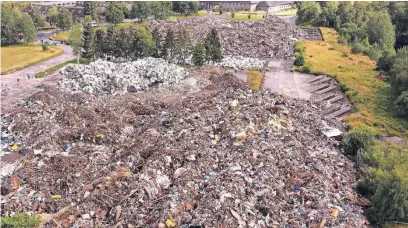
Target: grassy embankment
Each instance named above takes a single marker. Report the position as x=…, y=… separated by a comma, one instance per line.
x=372, y=98
x=58, y=66
x=61, y=36
x=16, y=57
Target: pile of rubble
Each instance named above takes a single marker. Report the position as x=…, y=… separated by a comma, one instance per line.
x=240, y=62
x=221, y=157
x=268, y=38
x=103, y=77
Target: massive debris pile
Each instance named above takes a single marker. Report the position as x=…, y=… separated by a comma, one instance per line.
x=107, y=77
x=268, y=38
x=221, y=157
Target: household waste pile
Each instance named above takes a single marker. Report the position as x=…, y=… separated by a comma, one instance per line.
x=222, y=157
x=268, y=38
x=108, y=77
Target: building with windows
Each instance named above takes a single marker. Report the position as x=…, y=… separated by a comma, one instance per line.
x=272, y=6
x=267, y=6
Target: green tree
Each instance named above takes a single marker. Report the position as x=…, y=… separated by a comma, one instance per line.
x=99, y=44
x=160, y=10
x=123, y=46
x=38, y=18
x=308, y=13
x=399, y=71
x=212, y=46
x=399, y=16
x=157, y=39
x=64, y=19
x=143, y=43
x=52, y=15
x=90, y=9
x=181, y=7
x=113, y=14
x=123, y=6
x=198, y=54
x=110, y=41
x=88, y=41
x=183, y=46
x=328, y=16
x=401, y=104
x=193, y=7
x=75, y=37
x=29, y=31
x=380, y=30
x=169, y=46
x=140, y=10
x=9, y=26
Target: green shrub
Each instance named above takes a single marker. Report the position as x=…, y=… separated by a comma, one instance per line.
x=299, y=48
x=344, y=55
x=306, y=69
x=44, y=47
x=385, y=62
x=300, y=60
x=249, y=16
x=401, y=104
x=358, y=48
x=233, y=14
x=390, y=201
x=344, y=88
x=373, y=53
x=331, y=48
x=359, y=138
x=20, y=220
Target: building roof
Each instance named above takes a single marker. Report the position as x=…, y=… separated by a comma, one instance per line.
x=273, y=3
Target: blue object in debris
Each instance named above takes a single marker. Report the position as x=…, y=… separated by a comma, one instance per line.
x=296, y=188
x=67, y=147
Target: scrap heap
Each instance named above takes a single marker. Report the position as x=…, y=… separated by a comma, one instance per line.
x=268, y=38
x=221, y=157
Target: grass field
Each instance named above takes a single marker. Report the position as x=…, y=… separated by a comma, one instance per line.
x=245, y=17
x=355, y=72
x=199, y=13
x=259, y=12
x=16, y=57
x=61, y=36
x=288, y=12
x=58, y=66
x=255, y=79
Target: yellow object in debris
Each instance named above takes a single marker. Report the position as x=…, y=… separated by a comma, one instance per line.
x=335, y=212
x=14, y=147
x=241, y=136
x=99, y=135
x=170, y=222
x=56, y=197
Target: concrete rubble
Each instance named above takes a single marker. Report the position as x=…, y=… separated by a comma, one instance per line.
x=240, y=62
x=103, y=77
x=223, y=156
x=268, y=38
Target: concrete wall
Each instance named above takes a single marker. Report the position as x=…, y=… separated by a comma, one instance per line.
x=274, y=8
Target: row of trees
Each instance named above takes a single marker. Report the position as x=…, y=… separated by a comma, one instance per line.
x=370, y=27
x=130, y=44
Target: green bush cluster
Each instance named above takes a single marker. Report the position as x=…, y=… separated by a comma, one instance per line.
x=20, y=220
x=356, y=139
x=299, y=54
